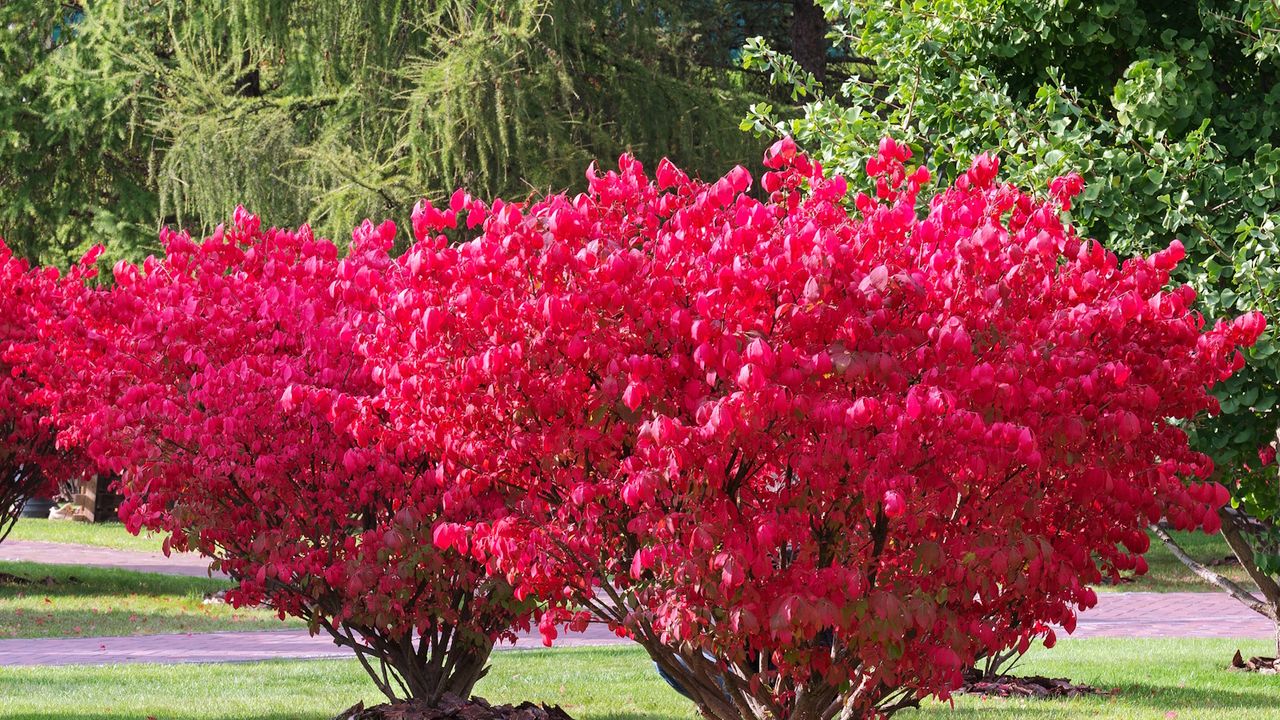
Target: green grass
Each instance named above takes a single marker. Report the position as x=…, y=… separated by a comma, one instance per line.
x=1165, y=573
x=1155, y=678
x=106, y=602
x=109, y=534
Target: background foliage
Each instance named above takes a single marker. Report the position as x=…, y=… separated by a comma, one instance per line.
x=119, y=116
x=1171, y=111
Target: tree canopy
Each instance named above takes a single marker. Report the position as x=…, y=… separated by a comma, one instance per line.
x=1171, y=111
x=121, y=116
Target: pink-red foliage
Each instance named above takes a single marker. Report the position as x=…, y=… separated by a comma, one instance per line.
x=831, y=457
x=30, y=462
x=215, y=380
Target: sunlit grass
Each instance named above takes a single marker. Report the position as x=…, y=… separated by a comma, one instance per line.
x=88, y=602
x=107, y=534
x=1155, y=679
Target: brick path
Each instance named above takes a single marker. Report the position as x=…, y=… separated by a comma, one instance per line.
x=1190, y=615
x=1133, y=614
x=221, y=647
x=69, y=554
x=1177, y=615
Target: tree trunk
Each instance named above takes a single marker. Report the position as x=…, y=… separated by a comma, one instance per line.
x=426, y=669
x=1277, y=638
x=249, y=84
x=17, y=485
x=809, y=38
x=722, y=695
x=1234, y=526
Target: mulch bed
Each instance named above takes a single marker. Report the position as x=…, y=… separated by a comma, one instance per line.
x=452, y=707
x=1260, y=665
x=1033, y=686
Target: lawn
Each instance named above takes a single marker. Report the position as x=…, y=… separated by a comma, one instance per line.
x=1165, y=573
x=82, y=601
x=109, y=534
x=1157, y=679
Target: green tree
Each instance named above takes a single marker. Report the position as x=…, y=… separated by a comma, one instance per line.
x=1171, y=111
x=72, y=168
x=122, y=115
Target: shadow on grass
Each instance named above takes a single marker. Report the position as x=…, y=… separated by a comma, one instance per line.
x=93, y=581
x=80, y=601
x=121, y=622
x=1132, y=700
x=605, y=684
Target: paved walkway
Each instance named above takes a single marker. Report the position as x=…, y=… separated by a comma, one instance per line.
x=223, y=647
x=1124, y=614
x=1172, y=615
x=1144, y=615
x=69, y=554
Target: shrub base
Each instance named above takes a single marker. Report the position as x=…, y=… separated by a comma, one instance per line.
x=451, y=707
x=1034, y=686
x=1260, y=665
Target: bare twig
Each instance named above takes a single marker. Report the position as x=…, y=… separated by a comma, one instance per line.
x=1231, y=587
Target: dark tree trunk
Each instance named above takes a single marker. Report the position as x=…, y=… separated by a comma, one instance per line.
x=17, y=485
x=809, y=38
x=424, y=668
x=1234, y=525
x=250, y=83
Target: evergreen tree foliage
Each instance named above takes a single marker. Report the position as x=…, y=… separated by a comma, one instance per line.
x=123, y=115
x=73, y=168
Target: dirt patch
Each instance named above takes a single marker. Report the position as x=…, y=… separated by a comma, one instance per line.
x=1259, y=664
x=1033, y=686
x=11, y=580
x=454, y=708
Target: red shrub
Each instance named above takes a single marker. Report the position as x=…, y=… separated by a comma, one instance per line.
x=815, y=462
x=30, y=462
x=212, y=379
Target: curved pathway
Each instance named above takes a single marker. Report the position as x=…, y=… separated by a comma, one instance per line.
x=1171, y=615
x=224, y=647
x=54, y=553
x=1132, y=615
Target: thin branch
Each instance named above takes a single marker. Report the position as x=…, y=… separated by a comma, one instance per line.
x=1233, y=523
x=1231, y=587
